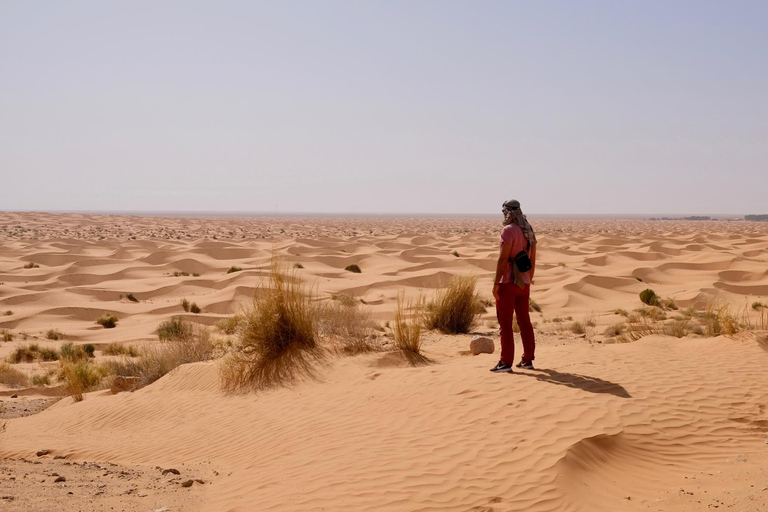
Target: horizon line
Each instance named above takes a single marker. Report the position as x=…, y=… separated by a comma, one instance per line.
x=262, y=213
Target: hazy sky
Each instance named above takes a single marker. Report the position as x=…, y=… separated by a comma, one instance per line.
x=363, y=106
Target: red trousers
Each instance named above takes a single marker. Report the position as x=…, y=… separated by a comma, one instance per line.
x=514, y=300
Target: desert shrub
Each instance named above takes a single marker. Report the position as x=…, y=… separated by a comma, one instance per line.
x=229, y=325
x=194, y=308
x=560, y=263
x=278, y=339
x=54, y=334
x=614, y=330
x=533, y=305
x=48, y=354
x=31, y=264
x=456, y=253
x=577, y=328
x=622, y=312
x=8, y=313
x=174, y=329
x=179, y=273
x=345, y=299
x=72, y=352
x=107, y=320
x=720, y=320
x=80, y=377
x=757, y=305
x=455, y=308
x=347, y=324
x=678, y=328
x=12, y=377
x=185, y=305
x=652, y=313
x=89, y=349
x=298, y=265
x=6, y=335
x=354, y=267
x=131, y=297
x=233, y=269
x=649, y=297
x=669, y=304
x=31, y=353
x=644, y=326
x=408, y=328
x=41, y=380
x=157, y=360
x=117, y=349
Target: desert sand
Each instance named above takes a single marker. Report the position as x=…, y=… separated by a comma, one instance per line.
x=604, y=423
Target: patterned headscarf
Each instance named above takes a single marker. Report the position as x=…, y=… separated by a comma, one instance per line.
x=513, y=213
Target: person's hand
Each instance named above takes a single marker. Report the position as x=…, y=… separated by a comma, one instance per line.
x=496, y=291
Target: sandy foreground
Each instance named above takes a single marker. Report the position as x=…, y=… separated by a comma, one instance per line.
x=659, y=424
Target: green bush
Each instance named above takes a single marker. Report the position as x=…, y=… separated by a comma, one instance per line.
x=649, y=297
x=353, y=268
x=89, y=349
x=193, y=308
x=233, y=269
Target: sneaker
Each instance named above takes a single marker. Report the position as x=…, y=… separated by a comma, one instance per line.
x=502, y=367
x=528, y=365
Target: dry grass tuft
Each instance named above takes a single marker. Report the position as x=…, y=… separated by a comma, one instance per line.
x=229, y=325
x=347, y=325
x=107, y=320
x=174, y=329
x=278, y=338
x=456, y=307
x=233, y=268
x=31, y=353
x=117, y=349
x=31, y=264
x=157, y=360
x=80, y=377
x=54, y=334
x=185, y=305
x=409, y=318
x=11, y=377
x=6, y=335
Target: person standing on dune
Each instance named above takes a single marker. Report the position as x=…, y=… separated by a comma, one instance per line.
x=512, y=286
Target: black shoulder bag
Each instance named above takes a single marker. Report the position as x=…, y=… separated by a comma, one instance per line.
x=521, y=260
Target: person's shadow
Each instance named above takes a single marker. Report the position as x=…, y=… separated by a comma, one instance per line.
x=572, y=380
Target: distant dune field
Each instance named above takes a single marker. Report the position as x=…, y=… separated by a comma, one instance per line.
x=630, y=407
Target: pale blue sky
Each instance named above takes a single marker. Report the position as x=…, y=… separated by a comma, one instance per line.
x=362, y=106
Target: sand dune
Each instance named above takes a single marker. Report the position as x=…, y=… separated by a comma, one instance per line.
x=599, y=426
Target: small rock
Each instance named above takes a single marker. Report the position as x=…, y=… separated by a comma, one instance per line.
x=199, y=480
x=14, y=395
x=43, y=452
x=60, y=479
x=187, y=483
x=481, y=345
x=58, y=457
x=172, y=471
x=122, y=383
x=142, y=495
